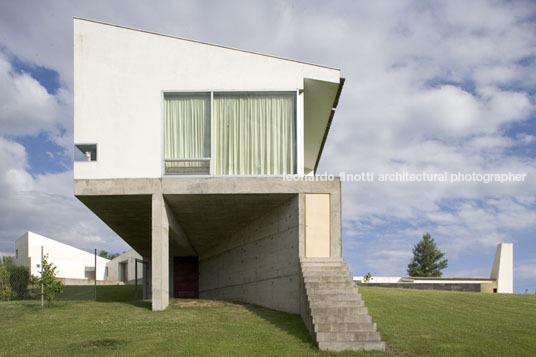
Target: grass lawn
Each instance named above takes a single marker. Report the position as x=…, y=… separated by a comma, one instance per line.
x=126, y=328
x=416, y=322
x=412, y=322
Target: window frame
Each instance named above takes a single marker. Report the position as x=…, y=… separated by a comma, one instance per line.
x=295, y=91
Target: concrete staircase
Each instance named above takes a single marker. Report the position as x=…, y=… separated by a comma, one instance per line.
x=338, y=319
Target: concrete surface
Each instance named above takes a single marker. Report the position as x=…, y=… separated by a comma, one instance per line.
x=335, y=313
x=258, y=264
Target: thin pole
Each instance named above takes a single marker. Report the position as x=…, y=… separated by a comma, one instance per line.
x=42, y=285
x=95, y=274
x=136, y=277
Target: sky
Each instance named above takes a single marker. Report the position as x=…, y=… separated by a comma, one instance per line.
x=431, y=86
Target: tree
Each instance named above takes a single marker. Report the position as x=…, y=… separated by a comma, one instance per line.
x=19, y=279
x=6, y=260
x=105, y=254
x=427, y=260
x=5, y=289
x=52, y=287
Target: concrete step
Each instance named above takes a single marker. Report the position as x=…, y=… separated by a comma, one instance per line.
x=330, y=285
x=332, y=291
x=345, y=326
x=337, y=303
x=352, y=346
x=359, y=336
x=328, y=279
x=338, y=311
x=327, y=318
x=340, y=294
x=326, y=273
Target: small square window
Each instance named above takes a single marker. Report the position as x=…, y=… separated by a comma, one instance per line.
x=85, y=152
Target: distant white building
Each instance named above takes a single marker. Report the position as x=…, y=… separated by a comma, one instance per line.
x=70, y=262
x=501, y=279
x=123, y=268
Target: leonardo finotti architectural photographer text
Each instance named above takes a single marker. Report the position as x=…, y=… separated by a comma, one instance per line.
x=414, y=177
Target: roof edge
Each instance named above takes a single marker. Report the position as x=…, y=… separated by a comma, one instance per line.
x=328, y=126
x=204, y=43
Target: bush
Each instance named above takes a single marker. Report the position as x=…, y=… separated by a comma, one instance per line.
x=5, y=289
x=19, y=279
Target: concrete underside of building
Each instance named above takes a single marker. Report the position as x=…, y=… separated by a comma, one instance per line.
x=245, y=239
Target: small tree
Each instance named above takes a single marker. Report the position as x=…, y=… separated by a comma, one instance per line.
x=52, y=287
x=5, y=289
x=103, y=253
x=427, y=260
x=19, y=279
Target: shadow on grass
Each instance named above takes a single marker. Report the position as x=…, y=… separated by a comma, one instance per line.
x=291, y=324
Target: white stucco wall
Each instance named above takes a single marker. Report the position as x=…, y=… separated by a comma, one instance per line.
x=119, y=76
x=503, y=268
x=71, y=262
x=128, y=258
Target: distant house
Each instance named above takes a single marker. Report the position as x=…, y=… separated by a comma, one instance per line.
x=71, y=262
x=123, y=268
x=501, y=279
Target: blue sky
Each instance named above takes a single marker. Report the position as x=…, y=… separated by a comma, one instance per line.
x=430, y=86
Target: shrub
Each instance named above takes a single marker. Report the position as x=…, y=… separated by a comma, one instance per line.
x=19, y=279
x=5, y=289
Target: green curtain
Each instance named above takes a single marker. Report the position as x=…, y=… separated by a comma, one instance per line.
x=254, y=133
x=187, y=126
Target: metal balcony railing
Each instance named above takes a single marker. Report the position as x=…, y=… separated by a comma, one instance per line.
x=198, y=166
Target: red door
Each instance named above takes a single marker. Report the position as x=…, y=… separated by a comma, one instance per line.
x=186, y=277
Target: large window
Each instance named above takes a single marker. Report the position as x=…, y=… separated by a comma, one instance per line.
x=253, y=133
x=187, y=133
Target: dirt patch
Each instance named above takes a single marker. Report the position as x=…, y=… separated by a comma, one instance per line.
x=210, y=303
x=199, y=303
x=107, y=343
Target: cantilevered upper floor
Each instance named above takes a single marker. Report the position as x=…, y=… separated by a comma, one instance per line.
x=148, y=105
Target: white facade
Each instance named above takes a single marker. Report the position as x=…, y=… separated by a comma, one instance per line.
x=503, y=268
x=121, y=75
x=70, y=262
x=123, y=267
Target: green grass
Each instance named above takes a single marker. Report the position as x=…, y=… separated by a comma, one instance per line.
x=415, y=322
x=412, y=322
x=130, y=328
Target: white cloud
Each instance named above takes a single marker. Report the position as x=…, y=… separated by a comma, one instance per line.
x=525, y=269
x=430, y=87
x=46, y=205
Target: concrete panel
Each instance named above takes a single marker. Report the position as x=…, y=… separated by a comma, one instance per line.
x=259, y=264
x=317, y=226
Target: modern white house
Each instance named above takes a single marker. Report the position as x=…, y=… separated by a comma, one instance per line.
x=202, y=158
x=125, y=267
x=501, y=278
x=71, y=262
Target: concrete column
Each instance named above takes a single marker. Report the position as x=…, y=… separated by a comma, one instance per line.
x=159, y=253
x=147, y=293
